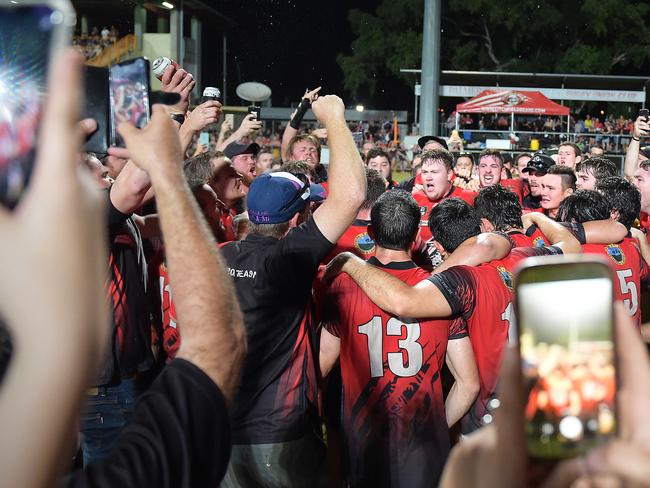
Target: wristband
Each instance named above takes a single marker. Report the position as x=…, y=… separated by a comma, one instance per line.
x=180, y=118
x=636, y=139
x=300, y=113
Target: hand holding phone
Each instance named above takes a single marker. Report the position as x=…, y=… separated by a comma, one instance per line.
x=255, y=111
x=129, y=96
x=31, y=35
x=645, y=113
x=565, y=320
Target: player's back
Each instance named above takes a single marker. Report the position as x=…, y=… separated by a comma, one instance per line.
x=394, y=422
x=630, y=270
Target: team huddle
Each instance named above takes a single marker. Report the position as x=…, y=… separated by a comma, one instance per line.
x=364, y=352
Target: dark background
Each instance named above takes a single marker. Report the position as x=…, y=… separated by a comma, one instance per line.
x=289, y=45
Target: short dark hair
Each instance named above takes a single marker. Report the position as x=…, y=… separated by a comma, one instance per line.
x=375, y=152
x=375, y=187
x=199, y=169
x=438, y=155
x=576, y=149
x=299, y=167
x=601, y=168
x=622, y=197
x=464, y=155
x=452, y=222
x=500, y=207
x=395, y=220
x=493, y=153
x=567, y=174
x=583, y=206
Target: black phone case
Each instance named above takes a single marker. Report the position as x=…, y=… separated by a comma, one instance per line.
x=97, y=107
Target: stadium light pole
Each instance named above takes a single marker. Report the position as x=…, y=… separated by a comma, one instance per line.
x=430, y=68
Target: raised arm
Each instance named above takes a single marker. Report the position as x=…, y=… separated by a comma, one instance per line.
x=461, y=363
x=198, y=119
x=556, y=233
x=347, y=174
x=292, y=128
x=641, y=129
x=423, y=300
x=205, y=300
x=52, y=299
x=249, y=125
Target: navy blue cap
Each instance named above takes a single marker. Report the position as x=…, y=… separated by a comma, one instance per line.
x=274, y=198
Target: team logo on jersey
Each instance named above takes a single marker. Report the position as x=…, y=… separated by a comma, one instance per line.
x=539, y=242
x=615, y=252
x=506, y=277
x=423, y=210
x=364, y=244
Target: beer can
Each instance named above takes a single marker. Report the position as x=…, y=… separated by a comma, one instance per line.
x=160, y=65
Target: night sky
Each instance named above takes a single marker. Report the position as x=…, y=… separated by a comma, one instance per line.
x=291, y=45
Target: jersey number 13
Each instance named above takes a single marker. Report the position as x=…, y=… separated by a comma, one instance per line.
x=396, y=362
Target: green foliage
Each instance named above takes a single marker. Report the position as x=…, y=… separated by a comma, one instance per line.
x=569, y=36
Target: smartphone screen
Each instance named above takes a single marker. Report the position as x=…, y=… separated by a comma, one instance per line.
x=204, y=138
x=255, y=110
x=565, y=321
x=129, y=95
x=29, y=36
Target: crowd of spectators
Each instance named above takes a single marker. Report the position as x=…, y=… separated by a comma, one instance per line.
x=93, y=43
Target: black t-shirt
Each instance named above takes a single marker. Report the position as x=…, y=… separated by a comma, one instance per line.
x=130, y=350
x=277, y=399
x=179, y=436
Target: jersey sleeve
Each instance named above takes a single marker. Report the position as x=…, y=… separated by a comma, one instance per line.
x=457, y=285
x=578, y=231
x=457, y=329
x=520, y=253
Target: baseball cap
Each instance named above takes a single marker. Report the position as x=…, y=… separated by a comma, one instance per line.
x=276, y=197
x=234, y=149
x=645, y=150
x=424, y=139
x=540, y=163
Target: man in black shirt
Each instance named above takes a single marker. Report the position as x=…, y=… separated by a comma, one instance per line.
x=275, y=415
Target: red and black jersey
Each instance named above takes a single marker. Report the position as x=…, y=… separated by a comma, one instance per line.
x=630, y=269
x=394, y=422
x=171, y=334
x=356, y=240
x=532, y=237
x=515, y=186
x=426, y=205
x=483, y=297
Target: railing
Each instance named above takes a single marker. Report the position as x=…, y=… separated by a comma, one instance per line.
x=115, y=53
x=617, y=143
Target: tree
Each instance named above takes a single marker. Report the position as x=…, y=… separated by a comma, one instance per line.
x=567, y=36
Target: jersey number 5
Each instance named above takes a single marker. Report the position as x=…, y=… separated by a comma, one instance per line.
x=396, y=363
x=632, y=303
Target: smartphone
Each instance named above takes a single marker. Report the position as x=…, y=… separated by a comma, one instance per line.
x=565, y=319
x=358, y=139
x=97, y=108
x=32, y=34
x=255, y=110
x=230, y=118
x=645, y=113
x=204, y=138
x=129, y=92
